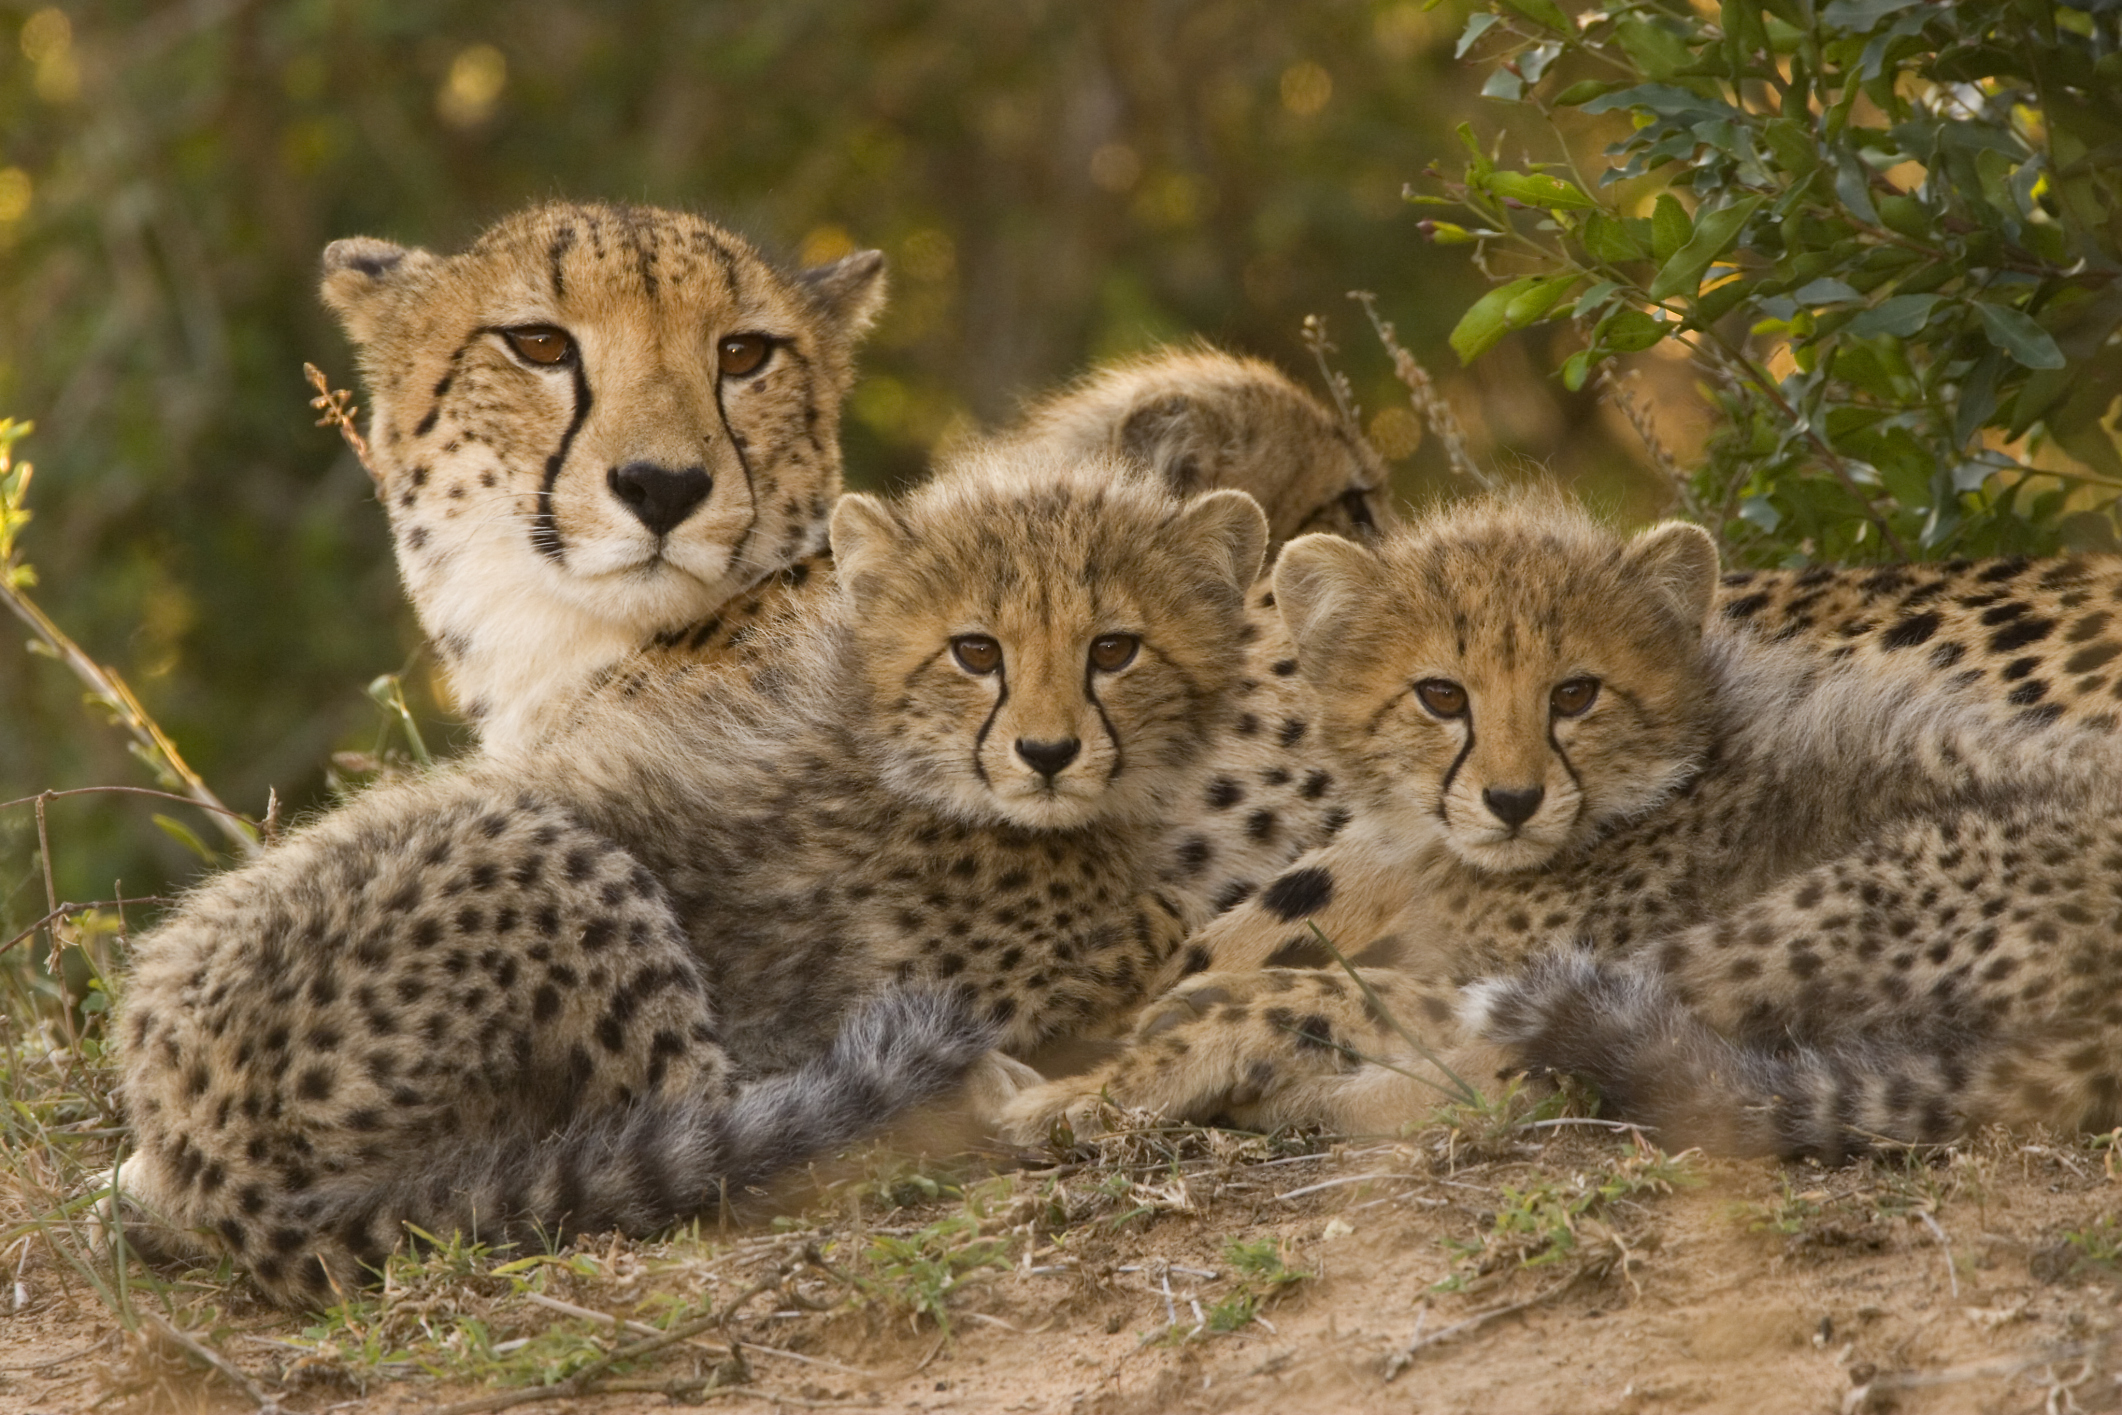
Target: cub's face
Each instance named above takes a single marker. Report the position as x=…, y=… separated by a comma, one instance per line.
x=618, y=410
x=1046, y=645
x=1509, y=677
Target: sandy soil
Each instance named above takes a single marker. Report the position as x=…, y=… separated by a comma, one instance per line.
x=1949, y=1285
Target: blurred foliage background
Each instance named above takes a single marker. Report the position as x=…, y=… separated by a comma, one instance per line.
x=1054, y=180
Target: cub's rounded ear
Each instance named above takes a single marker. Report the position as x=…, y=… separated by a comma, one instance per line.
x=865, y=537
x=1326, y=587
x=851, y=290
x=1681, y=560
x=359, y=269
x=1233, y=529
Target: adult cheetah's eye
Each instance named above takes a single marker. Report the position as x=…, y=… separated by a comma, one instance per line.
x=1442, y=696
x=1109, y=653
x=976, y=653
x=1574, y=697
x=540, y=343
x=740, y=354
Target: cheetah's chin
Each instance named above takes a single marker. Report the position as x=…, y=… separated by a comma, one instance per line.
x=1503, y=855
x=1048, y=811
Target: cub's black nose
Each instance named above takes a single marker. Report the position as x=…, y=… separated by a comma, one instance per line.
x=1513, y=808
x=659, y=496
x=1047, y=758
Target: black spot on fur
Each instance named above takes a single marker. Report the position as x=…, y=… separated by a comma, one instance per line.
x=1298, y=893
x=1911, y=631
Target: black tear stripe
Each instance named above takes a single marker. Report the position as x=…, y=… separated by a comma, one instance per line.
x=563, y=242
x=1444, y=787
x=751, y=484
x=1119, y=752
x=980, y=737
x=545, y=536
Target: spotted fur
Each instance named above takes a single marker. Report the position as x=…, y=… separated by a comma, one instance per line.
x=454, y=1006
x=707, y=924
x=1829, y=858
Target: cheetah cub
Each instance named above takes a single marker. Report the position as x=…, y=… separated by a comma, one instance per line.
x=595, y=426
x=455, y=1005
x=1771, y=891
x=1202, y=418
x=958, y=773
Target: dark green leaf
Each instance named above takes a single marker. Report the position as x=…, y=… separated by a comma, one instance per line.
x=1714, y=233
x=1906, y=215
x=1584, y=91
x=1629, y=329
x=1610, y=240
x=1657, y=51
x=1978, y=398
x=1717, y=303
x=2017, y=335
x=1901, y=316
x=1827, y=290
x=1669, y=227
x=1545, y=12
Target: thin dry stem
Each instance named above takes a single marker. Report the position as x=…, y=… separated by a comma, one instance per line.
x=1613, y=392
x=154, y=743
x=1337, y=383
x=335, y=408
x=1429, y=404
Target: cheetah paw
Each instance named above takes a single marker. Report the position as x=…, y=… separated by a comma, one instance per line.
x=1057, y=1114
x=995, y=1081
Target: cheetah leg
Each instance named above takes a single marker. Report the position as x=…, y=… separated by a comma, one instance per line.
x=1278, y=1046
x=1352, y=890
x=133, y=1212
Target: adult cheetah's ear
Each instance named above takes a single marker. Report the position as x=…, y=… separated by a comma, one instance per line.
x=866, y=536
x=1233, y=529
x=1323, y=585
x=850, y=290
x=359, y=269
x=1681, y=560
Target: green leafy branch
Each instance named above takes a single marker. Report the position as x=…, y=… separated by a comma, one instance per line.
x=1889, y=233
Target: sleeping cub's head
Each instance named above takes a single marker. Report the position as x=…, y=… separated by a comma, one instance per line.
x=1509, y=674
x=1042, y=640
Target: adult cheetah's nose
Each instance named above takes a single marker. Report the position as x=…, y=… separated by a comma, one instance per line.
x=659, y=496
x=1513, y=808
x=1047, y=758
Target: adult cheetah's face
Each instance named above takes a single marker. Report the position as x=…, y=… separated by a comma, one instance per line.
x=1049, y=652
x=1510, y=678
x=621, y=410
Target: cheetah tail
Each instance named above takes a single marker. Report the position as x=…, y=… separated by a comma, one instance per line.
x=1657, y=1063
x=638, y=1169
x=898, y=1051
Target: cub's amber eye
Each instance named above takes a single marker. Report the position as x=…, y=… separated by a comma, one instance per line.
x=1573, y=697
x=540, y=343
x=1109, y=653
x=739, y=354
x=976, y=653
x=1442, y=696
